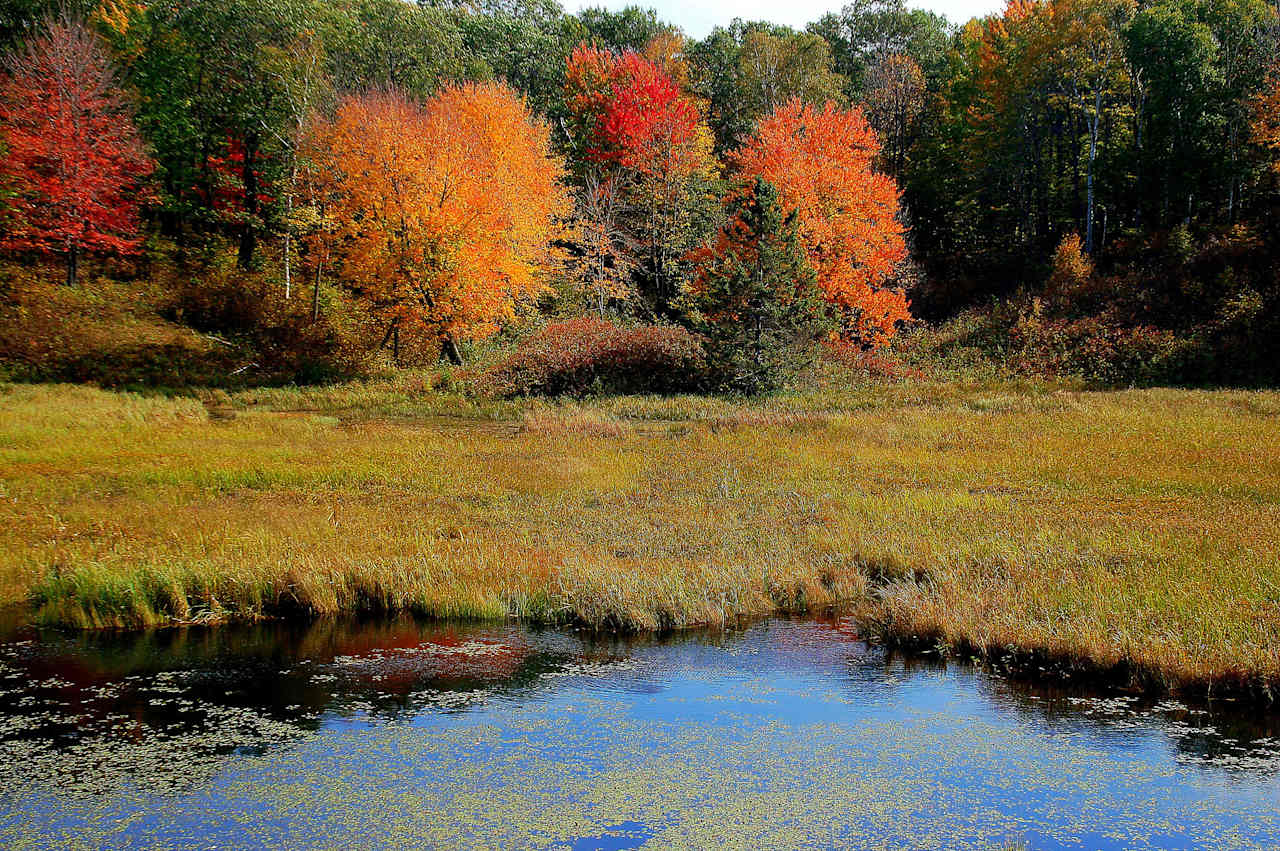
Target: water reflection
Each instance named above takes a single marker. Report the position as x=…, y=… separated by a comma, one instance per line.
x=786, y=732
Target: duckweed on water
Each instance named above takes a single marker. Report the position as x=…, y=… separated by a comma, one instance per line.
x=789, y=734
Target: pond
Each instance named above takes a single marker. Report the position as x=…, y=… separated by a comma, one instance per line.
x=784, y=733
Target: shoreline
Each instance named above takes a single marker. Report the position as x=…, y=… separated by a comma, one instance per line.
x=1031, y=664
x=1136, y=533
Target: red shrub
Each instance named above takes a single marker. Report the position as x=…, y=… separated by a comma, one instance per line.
x=872, y=363
x=1100, y=351
x=585, y=354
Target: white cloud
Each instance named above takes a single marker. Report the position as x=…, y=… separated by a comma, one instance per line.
x=698, y=18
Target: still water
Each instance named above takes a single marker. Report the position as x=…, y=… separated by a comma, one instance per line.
x=787, y=734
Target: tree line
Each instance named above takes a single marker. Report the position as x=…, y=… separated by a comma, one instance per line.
x=442, y=167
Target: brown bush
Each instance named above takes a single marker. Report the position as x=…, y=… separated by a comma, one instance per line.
x=585, y=354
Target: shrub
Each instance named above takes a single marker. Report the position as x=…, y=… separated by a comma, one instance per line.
x=869, y=364
x=1072, y=283
x=103, y=332
x=277, y=341
x=205, y=325
x=1096, y=349
x=588, y=355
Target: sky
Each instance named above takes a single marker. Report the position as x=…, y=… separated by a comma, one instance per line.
x=697, y=17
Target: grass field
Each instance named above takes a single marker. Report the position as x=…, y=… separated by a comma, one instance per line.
x=1137, y=532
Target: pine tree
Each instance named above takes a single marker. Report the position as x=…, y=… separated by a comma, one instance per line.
x=755, y=296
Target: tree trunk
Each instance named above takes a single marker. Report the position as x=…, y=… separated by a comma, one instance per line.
x=1076, y=211
x=248, y=233
x=248, y=244
x=1088, y=216
x=315, y=293
x=391, y=329
x=449, y=348
x=1140, y=186
x=1093, y=155
x=288, y=283
x=288, y=238
x=73, y=258
x=1231, y=178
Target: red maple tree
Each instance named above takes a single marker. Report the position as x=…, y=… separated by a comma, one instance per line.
x=237, y=193
x=632, y=112
x=73, y=160
x=630, y=125
x=648, y=119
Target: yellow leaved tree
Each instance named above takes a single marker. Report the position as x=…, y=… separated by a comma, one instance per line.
x=443, y=214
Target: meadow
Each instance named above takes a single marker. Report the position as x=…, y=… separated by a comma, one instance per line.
x=1131, y=533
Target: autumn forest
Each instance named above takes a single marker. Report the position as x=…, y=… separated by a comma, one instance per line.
x=264, y=191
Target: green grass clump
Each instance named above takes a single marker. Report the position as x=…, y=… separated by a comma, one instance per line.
x=1134, y=531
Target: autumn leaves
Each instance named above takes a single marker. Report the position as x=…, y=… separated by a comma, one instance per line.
x=820, y=160
x=73, y=162
x=441, y=214
x=445, y=215
x=635, y=128
x=1266, y=118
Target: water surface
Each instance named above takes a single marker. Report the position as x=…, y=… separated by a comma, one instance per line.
x=788, y=733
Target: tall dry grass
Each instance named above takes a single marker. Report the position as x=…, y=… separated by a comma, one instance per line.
x=1137, y=531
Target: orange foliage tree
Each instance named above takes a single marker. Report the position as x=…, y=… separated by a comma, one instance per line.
x=820, y=160
x=442, y=214
x=73, y=158
x=1266, y=118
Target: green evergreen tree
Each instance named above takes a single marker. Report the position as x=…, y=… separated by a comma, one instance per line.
x=755, y=296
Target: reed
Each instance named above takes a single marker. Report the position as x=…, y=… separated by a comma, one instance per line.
x=1136, y=532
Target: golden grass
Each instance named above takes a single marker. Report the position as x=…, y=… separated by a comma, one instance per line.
x=1137, y=531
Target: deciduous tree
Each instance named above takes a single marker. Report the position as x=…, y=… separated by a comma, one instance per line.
x=1171, y=58
x=632, y=124
x=523, y=42
x=72, y=156
x=895, y=99
x=632, y=114
x=210, y=96
x=820, y=159
x=749, y=69
x=1091, y=63
x=667, y=51
x=865, y=31
x=777, y=67
x=414, y=48
x=444, y=212
x=607, y=251
x=1266, y=119
x=304, y=86
x=629, y=29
